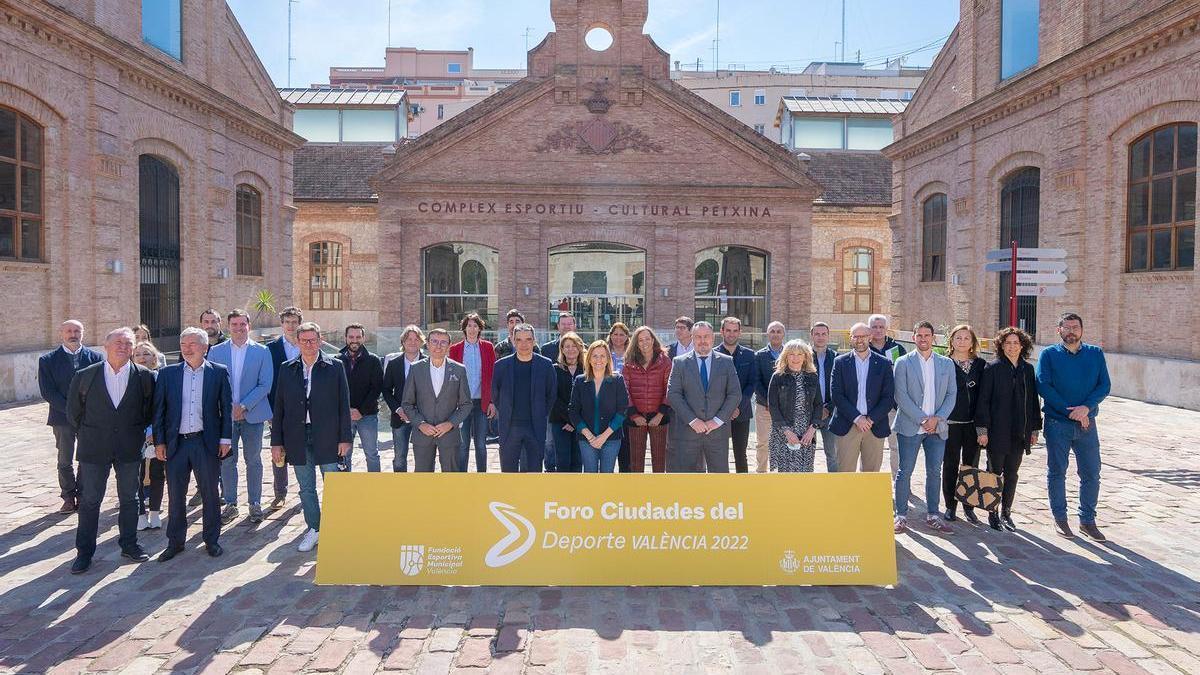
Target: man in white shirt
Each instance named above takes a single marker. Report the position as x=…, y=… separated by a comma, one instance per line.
x=437, y=398
x=55, y=371
x=395, y=373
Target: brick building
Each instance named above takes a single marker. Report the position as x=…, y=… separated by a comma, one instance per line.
x=1065, y=125
x=145, y=172
x=596, y=185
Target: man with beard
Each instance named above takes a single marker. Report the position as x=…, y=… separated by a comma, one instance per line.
x=364, y=373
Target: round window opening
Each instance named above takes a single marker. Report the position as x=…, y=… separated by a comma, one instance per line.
x=598, y=39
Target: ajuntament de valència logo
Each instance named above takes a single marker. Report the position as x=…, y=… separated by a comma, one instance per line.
x=789, y=563
x=517, y=526
x=412, y=559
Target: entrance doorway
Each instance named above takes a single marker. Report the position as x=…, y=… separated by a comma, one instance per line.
x=600, y=284
x=158, y=222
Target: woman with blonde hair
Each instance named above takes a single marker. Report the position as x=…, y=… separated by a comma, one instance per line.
x=598, y=405
x=566, y=368
x=794, y=399
x=154, y=470
x=962, y=446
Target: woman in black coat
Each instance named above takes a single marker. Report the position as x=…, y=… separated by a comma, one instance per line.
x=568, y=365
x=1007, y=419
x=961, y=445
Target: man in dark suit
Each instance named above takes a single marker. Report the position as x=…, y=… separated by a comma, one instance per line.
x=565, y=324
x=193, y=431
x=395, y=373
x=745, y=365
x=364, y=375
x=110, y=404
x=764, y=368
x=683, y=337
x=437, y=398
x=863, y=392
x=523, y=390
x=823, y=357
x=55, y=371
x=704, y=392
x=311, y=424
x=283, y=349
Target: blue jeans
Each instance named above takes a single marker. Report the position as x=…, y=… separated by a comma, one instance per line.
x=400, y=443
x=306, y=480
x=566, y=450
x=829, y=445
x=603, y=460
x=935, y=450
x=367, y=429
x=250, y=437
x=1061, y=438
x=474, y=427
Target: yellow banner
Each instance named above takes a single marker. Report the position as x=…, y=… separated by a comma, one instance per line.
x=607, y=529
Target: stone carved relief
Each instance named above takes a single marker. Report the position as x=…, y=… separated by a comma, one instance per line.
x=598, y=137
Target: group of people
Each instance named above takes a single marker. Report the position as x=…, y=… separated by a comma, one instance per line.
x=562, y=406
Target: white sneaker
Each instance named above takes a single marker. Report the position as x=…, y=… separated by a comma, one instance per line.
x=143, y=523
x=308, y=542
x=154, y=522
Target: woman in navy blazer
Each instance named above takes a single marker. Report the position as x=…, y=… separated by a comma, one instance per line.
x=598, y=404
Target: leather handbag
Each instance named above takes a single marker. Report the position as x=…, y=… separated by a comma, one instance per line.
x=978, y=488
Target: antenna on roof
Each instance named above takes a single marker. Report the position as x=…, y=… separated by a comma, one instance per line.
x=290, y=58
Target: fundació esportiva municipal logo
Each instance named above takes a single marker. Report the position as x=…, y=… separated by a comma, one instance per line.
x=789, y=563
x=518, y=527
x=412, y=559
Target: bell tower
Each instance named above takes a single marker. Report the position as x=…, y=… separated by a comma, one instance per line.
x=598, y=54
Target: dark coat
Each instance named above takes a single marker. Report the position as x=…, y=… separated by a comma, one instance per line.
x=328, y=406
x=106, y=434
x=278, y=358
x=826, y=368
x=366, y=382
x=543, y=385
x=1008, y=406
x=764, y=370
x=781, y=395
x=968, y=391
x=505, y=348
x=881, y=394
x=215, y=406
x=560, y=414
x=393, y=387
x=55, y=373
x=746, y=365
x=614, y=401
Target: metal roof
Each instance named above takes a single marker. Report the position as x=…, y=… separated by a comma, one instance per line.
x=844, y=106
x=343, y=97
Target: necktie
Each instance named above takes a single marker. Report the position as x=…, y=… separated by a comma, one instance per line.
x=704, y=373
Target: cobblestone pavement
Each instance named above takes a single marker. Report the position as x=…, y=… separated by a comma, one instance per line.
x=977, y=601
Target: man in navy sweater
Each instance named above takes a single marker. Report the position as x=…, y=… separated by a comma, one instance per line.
x=1072, y=380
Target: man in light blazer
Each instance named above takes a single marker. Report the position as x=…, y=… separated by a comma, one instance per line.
x=703, y=391
x=193, y=426
x=250, y=378
x=926, y=390
x=863, y=394
x=437, y=398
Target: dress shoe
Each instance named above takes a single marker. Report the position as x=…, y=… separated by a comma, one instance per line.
x=68, y=505
x=1063, y=528
x=80, y=565
x=1008, y=522
x=994, y=521
x=214, y=550
x=277, y=503
x=135, y=553
x=1092, y=532
x=969, y=514
x=196, y=500
x=169, y=552
x=950, y=516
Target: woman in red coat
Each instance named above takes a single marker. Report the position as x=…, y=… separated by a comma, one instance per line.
x=647, y=369
x=479, y=357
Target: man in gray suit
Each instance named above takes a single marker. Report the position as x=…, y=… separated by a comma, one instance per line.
x=926, y=390
x=436, y=400
x=703, y=391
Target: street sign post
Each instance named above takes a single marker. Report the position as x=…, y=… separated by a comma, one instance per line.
x=1036, y=272
x=1031, y=253
x=1027, y=266
x=1055, y=291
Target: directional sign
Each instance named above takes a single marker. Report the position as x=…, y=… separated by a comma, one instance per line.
x=1037, y=253
x=1028, y=266
x=1042, y=291
x=1044, y=279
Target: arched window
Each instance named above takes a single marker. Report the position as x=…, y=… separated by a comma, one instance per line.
x=1162, y=200
x=858, y=280
x=732, y=281
x=159, y=250
x=457, y=282
x=249, y=231
x=1020, y=221
x=933, y=239
x=325, y=275
x=599, y=283
x=20, y=187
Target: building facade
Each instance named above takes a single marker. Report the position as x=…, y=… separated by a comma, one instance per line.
x=1062, y=125
x=145, y=172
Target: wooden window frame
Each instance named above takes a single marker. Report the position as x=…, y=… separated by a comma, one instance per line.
x=19, y=215
x=248, y=230
x=854, y=290
x=933, y=237
x=1149, y=228
x=327, y=269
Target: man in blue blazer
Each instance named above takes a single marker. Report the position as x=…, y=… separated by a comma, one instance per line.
x=55, y=370
x=744, y=363
x=863, y=392
x=193, y=425
x=523, y=389
x=764, y=368
x=250, y=378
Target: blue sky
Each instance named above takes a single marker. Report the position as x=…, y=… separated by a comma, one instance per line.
x=757, y=33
